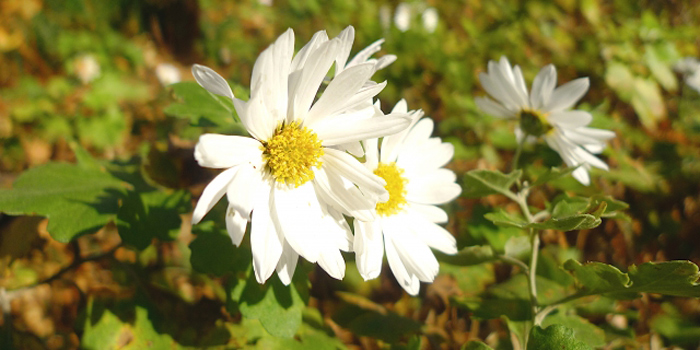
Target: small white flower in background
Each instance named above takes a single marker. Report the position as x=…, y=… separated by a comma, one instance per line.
x=402, y=16
x=86, y=68
x=690, y=68
x=265, y=2
x=430, y=19
x=289, y=179
x=167, y=74
x=545, y=112
x=406, y=227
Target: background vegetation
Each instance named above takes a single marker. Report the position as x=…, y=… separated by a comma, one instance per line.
x=118, y=264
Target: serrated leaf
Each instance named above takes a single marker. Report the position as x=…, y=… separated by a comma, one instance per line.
x=552, y=174
x=214, y=253
x=583, y=330
x=481, y=183
x=278, y=307
x=677, y=278
x=198, y=103
x=147, y=215
x=555, y=337
x=77, y=200
x=473, y=255
x=570, y=223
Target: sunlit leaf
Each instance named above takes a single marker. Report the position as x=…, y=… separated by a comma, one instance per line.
x=197, y=103
x=76, y=199
x=555, y=337
x=583, y=330
x=476, y=345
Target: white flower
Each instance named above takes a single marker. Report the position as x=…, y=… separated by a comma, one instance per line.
x=406, y=225
x=87, y=68
x=430, y=19
x=402, y=16
x=545, y=112
x=690, y=68
x=288, y=179
x=167, y=74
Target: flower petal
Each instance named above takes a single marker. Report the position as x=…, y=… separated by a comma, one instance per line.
x=408, y=282
x=570, y=119
x=369, y=248
x=212, y=194
x=300, y=219
x=299, y=60
x=344, y=130
x=312, y=74
x=493, y=108
x=343, y=195
x=224, y=151
x=435, y=236
x=287, y=264
x=432, y=213
x=350, y=168
x=415, y=255
x=566, y=96
x=265, y=241
x=339, y=90
x=332, y=262
x=346, y=37
x=211, y=81
x=543, y=86
x=244, y=188
x=235, y=226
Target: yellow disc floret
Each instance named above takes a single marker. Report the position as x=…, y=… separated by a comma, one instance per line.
x=291, y=154
x=533, y=122
x=395, y=185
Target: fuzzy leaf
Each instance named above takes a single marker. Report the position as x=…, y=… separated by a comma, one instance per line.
x=555, y=337
x=481, y=183
x=76, y=199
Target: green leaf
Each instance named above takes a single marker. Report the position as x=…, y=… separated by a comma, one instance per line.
x=555, y=337
x=473, y=255
x=476, y=345
x=125, y=326
x=214, y=253
x=583, y=330
x=503, y=218
x=365, y=318
x=677, y=278
x=552, y=174
x=76, y=199
x=198, y=103
x=481, y=183
x=278, y=307
x=518, y=247
x=570, y=223
x=648, y=102
x=147, y=215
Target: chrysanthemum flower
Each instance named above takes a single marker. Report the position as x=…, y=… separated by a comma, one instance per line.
x=406, y=225
x=288, y=179
x=545, y=112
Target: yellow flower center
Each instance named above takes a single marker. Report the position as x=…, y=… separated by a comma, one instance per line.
x=534, y=122
x=395, y=185
x=291, y=153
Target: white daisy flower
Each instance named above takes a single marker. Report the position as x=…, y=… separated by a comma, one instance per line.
x=288, y=179
x=406, y=225
x=430, y=19
x=167, y=74
x=545, y=112
x=402, y=16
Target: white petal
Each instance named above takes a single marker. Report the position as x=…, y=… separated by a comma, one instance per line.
x=350, y=168
x=299, y=60
x=566, y=96
x=433, y=235
x=393, y=144
x=371, y=153
x=430, y=212
x=300, y=218
x=520, y=83
x=493, y=108
x=287, y=264
x=343, y=195
x=211, y=194
x=543, y=86
x=570, y=119
x=384, y=61
x=244, y=188
x=581, y=175
x=265, y=242
x=346, y=37
x=256, y=118
x=211, y=81
x=235, y=225
x=408, y=282
x=339, y=130
x=332, y=262
x=366, y=53
x=427, y=157
x=432, y=195
x=224, y=151
x=282, y=51
x=339, y=90
x=400, y=107
x=315, y=69
x=598, y=134
x=414, y=253
x=369, y=248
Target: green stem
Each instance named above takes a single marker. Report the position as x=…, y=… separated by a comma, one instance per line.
x=535, y=242
x=518, y=152
x=514, y=261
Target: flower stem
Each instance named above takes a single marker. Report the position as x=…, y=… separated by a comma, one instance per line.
x=535, y=243
x=518, y=152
